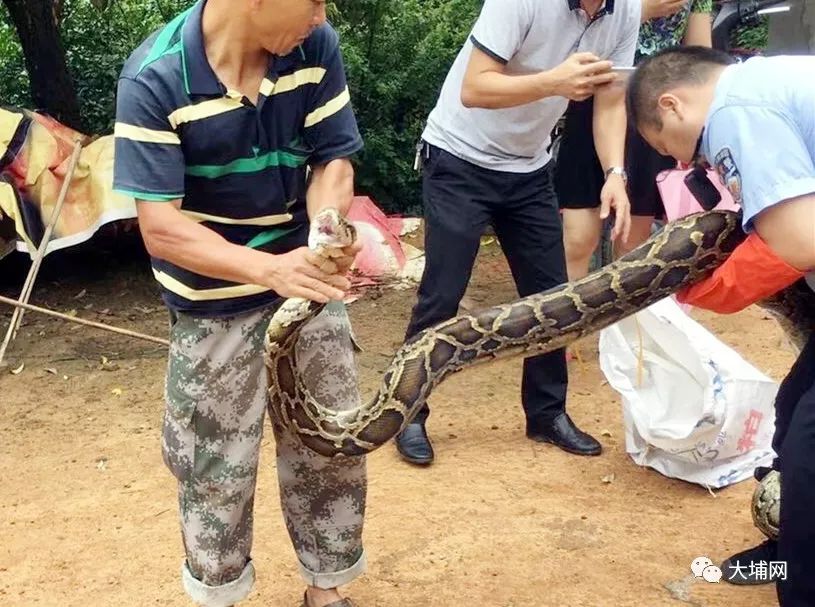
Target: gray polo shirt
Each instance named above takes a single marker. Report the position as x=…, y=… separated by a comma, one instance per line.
x=528, y=36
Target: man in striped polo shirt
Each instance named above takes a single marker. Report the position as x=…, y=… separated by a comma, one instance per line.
x=218, y=116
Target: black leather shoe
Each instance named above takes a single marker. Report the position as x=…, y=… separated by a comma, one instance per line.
x=414, y=445
x=751, y=567
x=562, y=433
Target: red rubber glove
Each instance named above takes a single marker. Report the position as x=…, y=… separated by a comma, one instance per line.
x=751, y=273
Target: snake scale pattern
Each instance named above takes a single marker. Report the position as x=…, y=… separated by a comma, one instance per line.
x=682, y=253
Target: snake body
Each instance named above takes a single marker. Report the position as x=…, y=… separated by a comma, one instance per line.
x=682, y=253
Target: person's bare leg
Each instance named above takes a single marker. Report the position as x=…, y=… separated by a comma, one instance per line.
x=640, y=232
x=318, y=597
x=581, y=235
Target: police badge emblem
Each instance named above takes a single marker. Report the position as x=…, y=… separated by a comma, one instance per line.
x=729, y=173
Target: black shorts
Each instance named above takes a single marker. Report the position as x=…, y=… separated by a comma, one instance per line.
x=579, y=177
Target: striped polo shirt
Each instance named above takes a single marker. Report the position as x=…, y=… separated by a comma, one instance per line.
x=239, y=168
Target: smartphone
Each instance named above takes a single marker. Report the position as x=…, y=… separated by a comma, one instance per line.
x=620, y=68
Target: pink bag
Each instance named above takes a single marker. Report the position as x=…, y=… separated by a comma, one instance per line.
x=678, y=200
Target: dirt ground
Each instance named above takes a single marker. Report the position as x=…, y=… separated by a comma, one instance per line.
x=88, y=511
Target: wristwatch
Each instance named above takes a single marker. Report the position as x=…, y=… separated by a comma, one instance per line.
x=617, y=171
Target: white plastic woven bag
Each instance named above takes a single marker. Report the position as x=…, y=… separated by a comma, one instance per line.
x=693, y=408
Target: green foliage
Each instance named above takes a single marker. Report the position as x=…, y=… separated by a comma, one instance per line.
x=13, y=75
x=98, y=37
x=752, y=36
x=397, y=53
x=97, y=43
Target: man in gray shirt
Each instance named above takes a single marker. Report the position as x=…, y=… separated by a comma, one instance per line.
x=486, y=161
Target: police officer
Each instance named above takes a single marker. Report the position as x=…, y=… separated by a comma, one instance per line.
x=218, y=115
x=755, y=123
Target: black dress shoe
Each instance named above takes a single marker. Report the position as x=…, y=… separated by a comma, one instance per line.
x=751, y=567
x=562, y=432
x=414, y=445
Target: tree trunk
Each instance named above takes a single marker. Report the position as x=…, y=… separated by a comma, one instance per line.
x=52, y=89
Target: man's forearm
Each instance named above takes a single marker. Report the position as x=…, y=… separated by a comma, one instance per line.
x=171, y=236
x=698, y=32
x=493, y=90
x=609, y=126
x=332, y=185
x=788, y=228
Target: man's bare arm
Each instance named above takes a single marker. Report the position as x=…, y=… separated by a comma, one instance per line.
x=332, y=185
x=171, y=236
x=609, y=125
x=788, y=228
x=699, y=30
x=653, y=9
x=487, y=84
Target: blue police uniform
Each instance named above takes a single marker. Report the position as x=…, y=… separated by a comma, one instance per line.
x=760, y=131
x=760, y=137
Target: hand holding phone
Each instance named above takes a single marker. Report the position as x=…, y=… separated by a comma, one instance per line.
x=579, y=75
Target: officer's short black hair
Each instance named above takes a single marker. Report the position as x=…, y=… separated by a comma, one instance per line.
x=663, y=71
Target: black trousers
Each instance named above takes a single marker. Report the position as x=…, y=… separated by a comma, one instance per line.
x=794, y=442
x=460, y=200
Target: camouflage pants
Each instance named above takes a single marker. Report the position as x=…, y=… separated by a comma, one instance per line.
x=213, y=425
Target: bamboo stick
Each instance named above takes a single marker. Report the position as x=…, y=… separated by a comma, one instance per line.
x=28, y=286
x=82, y=321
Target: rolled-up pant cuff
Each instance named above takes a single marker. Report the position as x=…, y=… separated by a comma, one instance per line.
x=218, y=596
x=333, y=579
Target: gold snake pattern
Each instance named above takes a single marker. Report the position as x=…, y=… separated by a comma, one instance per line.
x=682, y=253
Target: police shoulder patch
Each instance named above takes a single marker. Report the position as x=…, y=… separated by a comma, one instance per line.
x=729, y=173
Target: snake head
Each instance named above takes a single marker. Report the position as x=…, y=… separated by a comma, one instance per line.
x=329, y=229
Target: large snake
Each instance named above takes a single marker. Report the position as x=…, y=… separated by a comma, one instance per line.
x=682, y=253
